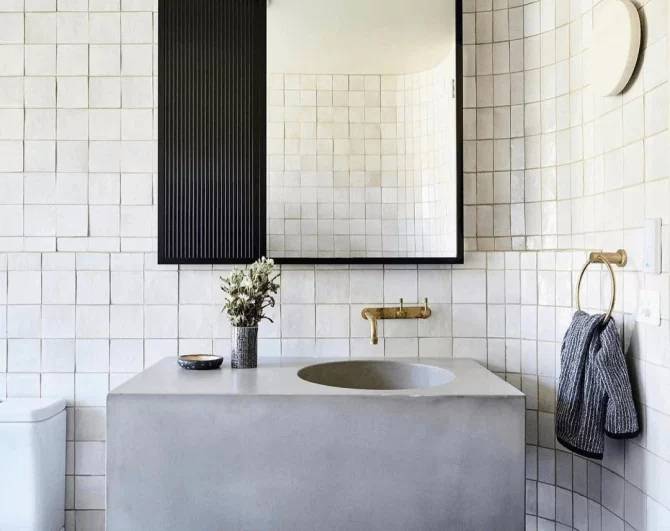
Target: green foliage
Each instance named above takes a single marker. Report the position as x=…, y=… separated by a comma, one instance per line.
x=249, y=291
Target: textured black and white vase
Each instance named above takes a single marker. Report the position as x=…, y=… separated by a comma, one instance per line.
x=244, y=343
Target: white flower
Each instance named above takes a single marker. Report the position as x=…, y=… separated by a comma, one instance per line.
x=249, y=291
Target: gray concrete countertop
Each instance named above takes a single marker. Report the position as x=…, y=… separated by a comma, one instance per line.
x=278, y=377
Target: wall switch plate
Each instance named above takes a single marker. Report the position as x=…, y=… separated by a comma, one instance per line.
x=649, y=307
x=652, y=246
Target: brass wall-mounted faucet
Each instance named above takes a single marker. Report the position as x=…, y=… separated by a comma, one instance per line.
x=400, y=312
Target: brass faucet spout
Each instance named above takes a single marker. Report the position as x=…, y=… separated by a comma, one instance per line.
x=373, y=327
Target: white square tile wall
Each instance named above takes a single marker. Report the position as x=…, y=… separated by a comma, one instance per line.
x=551, y=172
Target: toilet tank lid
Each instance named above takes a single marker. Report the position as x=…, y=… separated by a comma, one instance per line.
x=29, y=409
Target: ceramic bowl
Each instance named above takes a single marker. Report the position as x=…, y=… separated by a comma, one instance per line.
x=200, y=362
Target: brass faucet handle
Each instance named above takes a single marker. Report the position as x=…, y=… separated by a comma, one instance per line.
x=401, y=311
x=426, y=311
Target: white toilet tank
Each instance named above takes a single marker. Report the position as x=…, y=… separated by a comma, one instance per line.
x=32, y=464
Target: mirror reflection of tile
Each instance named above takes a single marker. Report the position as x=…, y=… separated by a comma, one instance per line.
x=362, y=166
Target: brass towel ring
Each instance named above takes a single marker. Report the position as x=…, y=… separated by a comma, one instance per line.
x=620, y=258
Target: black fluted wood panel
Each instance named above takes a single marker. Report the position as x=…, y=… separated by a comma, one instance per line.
x=211, y=130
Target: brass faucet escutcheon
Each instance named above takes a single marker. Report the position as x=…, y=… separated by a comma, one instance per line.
x=400, y=312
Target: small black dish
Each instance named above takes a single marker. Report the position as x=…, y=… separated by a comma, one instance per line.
x=200, y=362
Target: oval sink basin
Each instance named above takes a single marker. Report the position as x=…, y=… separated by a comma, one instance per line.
x=375, y=375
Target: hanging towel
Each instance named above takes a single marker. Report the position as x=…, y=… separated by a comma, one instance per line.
x=594, y=393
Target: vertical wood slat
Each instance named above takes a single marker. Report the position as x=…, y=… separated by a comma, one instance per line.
x=211, y=131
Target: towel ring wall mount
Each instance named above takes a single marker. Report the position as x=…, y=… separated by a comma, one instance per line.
x=620, y=259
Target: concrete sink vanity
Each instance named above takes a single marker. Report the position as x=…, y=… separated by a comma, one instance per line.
x=299, y=445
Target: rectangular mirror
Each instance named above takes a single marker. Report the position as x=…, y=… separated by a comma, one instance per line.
x=364, y=127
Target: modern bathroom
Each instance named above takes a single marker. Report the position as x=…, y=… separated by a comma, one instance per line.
x=316, y=265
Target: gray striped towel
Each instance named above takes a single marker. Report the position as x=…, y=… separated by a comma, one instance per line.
x=594, y=393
